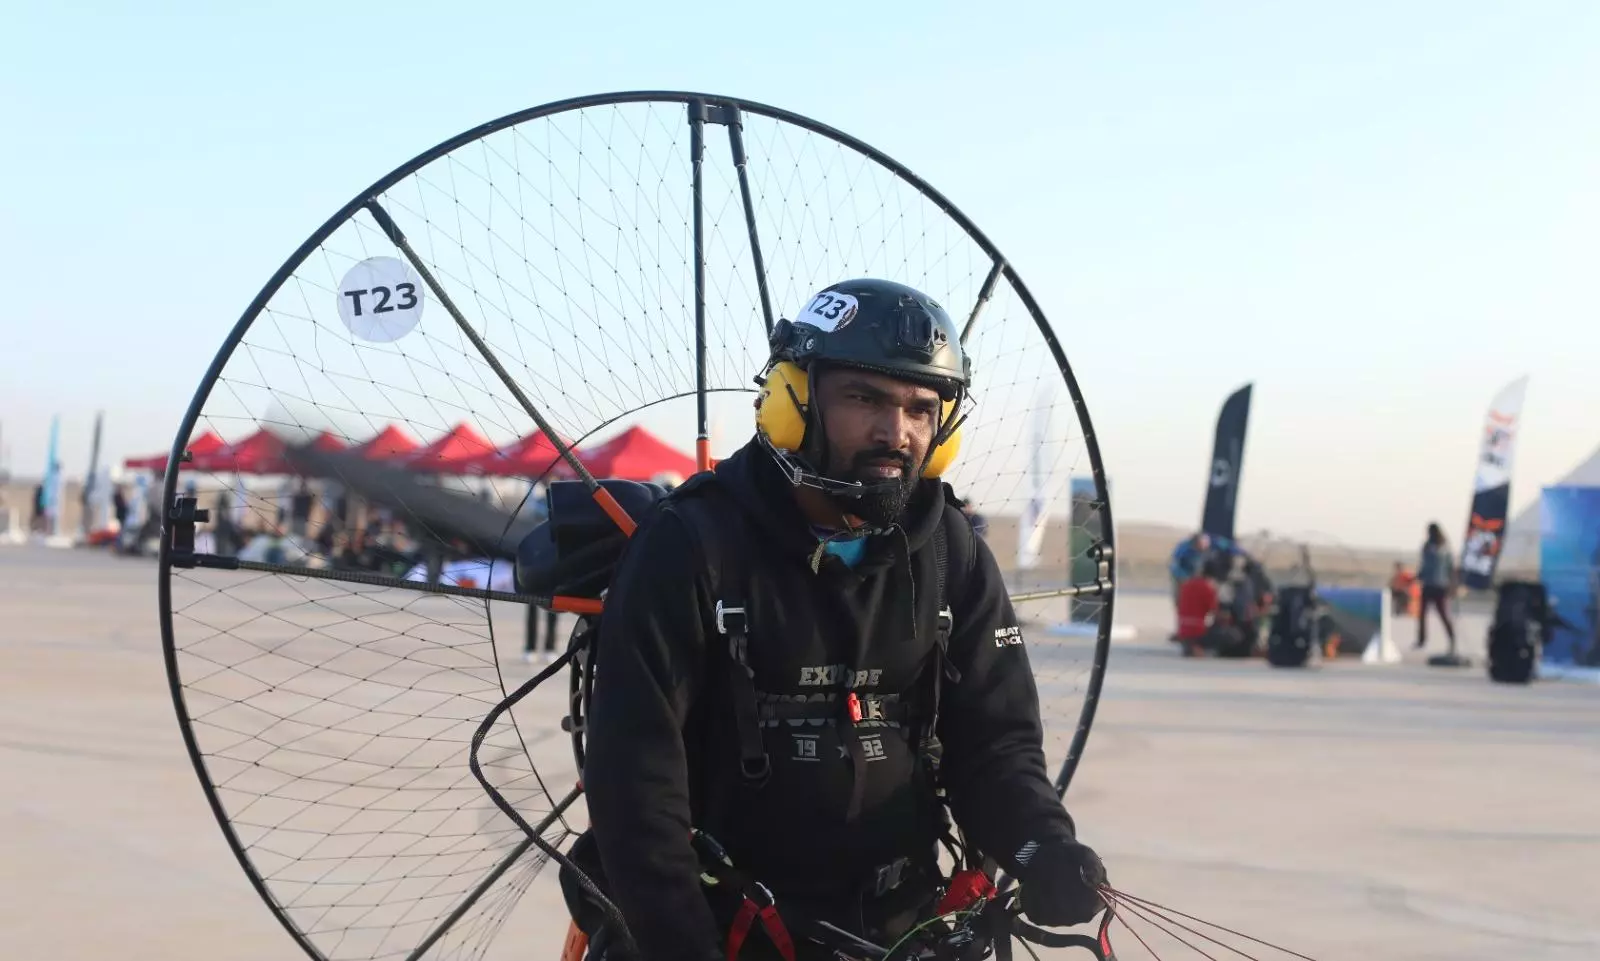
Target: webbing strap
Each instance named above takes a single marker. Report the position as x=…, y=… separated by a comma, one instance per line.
x=733, y=623
x=770, y=922
x=941, y=668
x=754, y=764
x=888, y=708
x=750, y=713
x=718, y=869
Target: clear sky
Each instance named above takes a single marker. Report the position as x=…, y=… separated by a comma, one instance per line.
x=1377, y=212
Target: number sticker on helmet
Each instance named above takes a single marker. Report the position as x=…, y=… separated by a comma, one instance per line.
x=829, y=311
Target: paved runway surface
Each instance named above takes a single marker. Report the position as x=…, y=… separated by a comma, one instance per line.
x=1349, y=812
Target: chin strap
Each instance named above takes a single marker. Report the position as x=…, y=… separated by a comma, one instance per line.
x=801, y=474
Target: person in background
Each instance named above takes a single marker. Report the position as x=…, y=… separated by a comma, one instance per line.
x=119, y=506
x=1198, y=600
x=537, y=508
x=1239, y=594
x=222, y=526
x=1437, y=573
x=1260, y=583
x=327, y=531
x=1400, y=590
x=530, y=651
x=980, y=524
x=300, y=509
x=1188, y=560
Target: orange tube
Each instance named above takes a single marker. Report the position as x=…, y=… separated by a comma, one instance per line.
x=576, y=605
x=577, y=943
x=614, y=510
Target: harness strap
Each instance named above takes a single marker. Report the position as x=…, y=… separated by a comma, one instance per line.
x=732, y=622
x=889, y=708
x=750, y=713
x=754, y=765
x=758, y=903
x=942, y=668
x=770, y=923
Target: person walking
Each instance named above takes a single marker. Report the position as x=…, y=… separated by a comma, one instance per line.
x=1437, y=574
x=530, y=646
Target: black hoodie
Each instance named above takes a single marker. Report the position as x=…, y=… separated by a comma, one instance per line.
x=662, y=750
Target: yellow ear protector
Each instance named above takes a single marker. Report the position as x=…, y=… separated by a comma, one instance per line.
x=781, y=416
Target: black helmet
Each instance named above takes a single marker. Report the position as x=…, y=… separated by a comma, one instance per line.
x=874, y=325
x=881, y=326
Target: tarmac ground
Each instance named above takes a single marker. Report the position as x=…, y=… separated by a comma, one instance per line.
x=1347, y=811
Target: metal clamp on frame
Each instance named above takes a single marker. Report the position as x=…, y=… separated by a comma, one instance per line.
x=182, y=517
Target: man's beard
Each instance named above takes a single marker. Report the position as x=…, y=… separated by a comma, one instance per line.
x=885, y=498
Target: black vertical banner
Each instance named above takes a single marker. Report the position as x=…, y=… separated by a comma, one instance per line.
x=1227, y=461
x=1486, y=532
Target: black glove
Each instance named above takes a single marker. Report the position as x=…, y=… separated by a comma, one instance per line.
x=1061, y=884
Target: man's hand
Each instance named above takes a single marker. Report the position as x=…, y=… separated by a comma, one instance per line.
x=1061, y=885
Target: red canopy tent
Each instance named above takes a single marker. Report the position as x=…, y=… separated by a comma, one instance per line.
x=208, y=443
x=531, y=456
x=452, y=452
x=260, y=453
x=391, y=443
x=636, y=454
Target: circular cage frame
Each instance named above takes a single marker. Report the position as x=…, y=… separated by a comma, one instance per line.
x=1000, y=267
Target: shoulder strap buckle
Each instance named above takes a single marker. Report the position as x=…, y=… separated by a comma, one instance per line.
x=724, y=614
x=887, y=877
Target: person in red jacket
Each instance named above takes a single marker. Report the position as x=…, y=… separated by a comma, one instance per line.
x=1197, y=606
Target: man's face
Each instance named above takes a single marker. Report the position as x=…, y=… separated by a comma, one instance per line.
x=879, y=430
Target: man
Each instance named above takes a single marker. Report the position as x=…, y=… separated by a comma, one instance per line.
x=1440, y=580
x=1401, y=585
x=980, y=524
x=1198, y=601
x=300, y=504
x=119, y=506
x=823, y=540
x=1188, y=559
x=1234, y=629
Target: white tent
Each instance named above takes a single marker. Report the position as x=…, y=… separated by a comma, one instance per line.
x=1520, y=552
